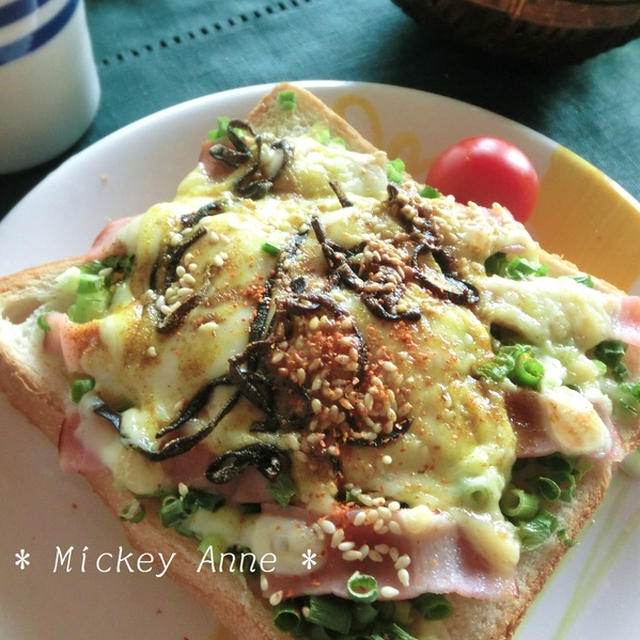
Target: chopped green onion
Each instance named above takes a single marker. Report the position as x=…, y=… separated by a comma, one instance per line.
x=398, y=633
x=286, y=617
x=528, y=372
x=432, y=606
x=430, y=192
x=92, y=298
x=271, y=249
x=133, y=511
x=287, y=100
x=81, y=386
x=496, y=264
x=42, y=322
x=215, y=542
x=558, y=462
x=199, y=499
x=503, y=363
x=171, y=511
x=563, y=536
x=362, y=588
x=221, y=130
x=583, y=278
x=282, y=488
x=176, y=509
x=364, y=615
x=515, y=268
x=475, y=494
x=536, y=531
x=386, y=609
x=395, y=170
x=321, y=133
x=336, y=141
x=516, y=503
x=516, y=363
x=611, y=352
x=330, y=613
x=547, y=488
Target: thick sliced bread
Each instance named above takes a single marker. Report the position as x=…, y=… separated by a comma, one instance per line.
x=36, y=384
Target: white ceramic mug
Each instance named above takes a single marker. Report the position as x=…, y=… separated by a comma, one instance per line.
x=49, y=89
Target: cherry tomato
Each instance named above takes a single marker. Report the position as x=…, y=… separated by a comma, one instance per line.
x=487, y=170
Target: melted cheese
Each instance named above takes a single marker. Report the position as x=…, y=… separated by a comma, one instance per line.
x=459, y=444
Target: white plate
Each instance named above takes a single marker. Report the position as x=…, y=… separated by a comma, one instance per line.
x=121, y=175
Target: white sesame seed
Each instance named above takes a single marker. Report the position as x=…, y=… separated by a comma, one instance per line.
x=316, y=405
x=403, y=577
x=224, y=238
x=351, y=555
x=328, y=527
x=364, y=550
x=394, y=527
x=192, y=267
x=185, y=291
x=394, y=554
x=306, y=612
x=394, y=505
x=389, y=592
x=365, y=499
x=382, y=548
x=314, y=323
x=348, y=545
x=387, y=365
x=180, y=271
x=151, y=351
x=213, y=237
x=264, y=583
x=187, y=279
x=384, y=513
x=337, y=538
x=360, y=518
x=402, y=562
x=375, y=556
x=277, y=357
x=387, y=459
x=372, y=516
x=183, y=489
x=218, y=260
x=276, y=598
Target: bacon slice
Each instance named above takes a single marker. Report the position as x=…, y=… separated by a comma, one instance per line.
x=442, y=561
x=250, y=487
x=106, y=242
x=626, y=325
x=74, y=457
x=212, y=167
x=69, y=339
x=546, y=424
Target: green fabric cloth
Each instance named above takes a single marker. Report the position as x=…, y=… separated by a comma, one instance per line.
x=155, y=53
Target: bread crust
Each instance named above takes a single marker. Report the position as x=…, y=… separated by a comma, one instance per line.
x=29, y=388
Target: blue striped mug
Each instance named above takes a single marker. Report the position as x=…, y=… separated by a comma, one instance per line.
x=49, y=89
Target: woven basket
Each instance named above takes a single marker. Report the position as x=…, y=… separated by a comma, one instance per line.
x=542, y=30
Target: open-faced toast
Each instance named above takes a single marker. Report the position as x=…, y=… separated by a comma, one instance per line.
x=405, y=387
